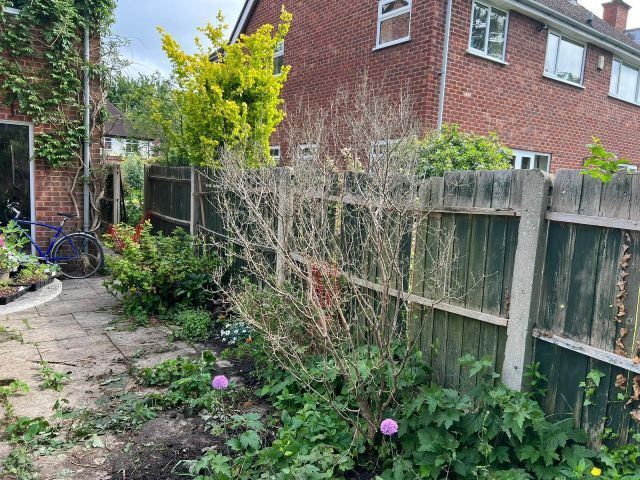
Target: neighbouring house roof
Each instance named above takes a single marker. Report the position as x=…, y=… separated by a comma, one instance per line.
x=576, y=16
x=117, y=126
x=582, y=15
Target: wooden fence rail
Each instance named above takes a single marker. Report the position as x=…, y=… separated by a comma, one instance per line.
x=548, y=269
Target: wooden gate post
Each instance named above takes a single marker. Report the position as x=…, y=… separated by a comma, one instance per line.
x=192, y=204
x=527, y=276
x=146, y=201
x=117, y=194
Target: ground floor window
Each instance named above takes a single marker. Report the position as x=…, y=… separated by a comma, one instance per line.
x=525, y=160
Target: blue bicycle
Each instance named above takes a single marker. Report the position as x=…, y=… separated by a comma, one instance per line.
x=78, y=254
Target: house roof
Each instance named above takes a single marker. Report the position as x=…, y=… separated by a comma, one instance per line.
x=117, y=126
x=574, y=12
x=584, y=16
x=634, y=34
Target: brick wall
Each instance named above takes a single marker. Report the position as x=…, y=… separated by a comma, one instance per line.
x=53, y=185
x=331, y=44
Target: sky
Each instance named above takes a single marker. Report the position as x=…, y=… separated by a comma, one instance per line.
x=137, y=20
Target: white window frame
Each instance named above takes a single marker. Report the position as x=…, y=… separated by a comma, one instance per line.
x=553, y=75
x=108, y=144
x=518, y=154
x=306, y=157
x=615, y=94
x=271, y=154
x=374, y=154
x=396, y=13
x=628, y=169
x=279, y=53
x=483, y=53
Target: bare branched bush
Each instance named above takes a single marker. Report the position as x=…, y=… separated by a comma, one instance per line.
x=328, y=245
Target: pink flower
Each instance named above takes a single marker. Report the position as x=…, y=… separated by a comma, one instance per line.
x=2, y=242
x=389, y=427
x=220, y=382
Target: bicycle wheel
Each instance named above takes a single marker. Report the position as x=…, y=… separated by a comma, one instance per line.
x=79, y=255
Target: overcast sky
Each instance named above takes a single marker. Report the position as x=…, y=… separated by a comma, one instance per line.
x=137, y=20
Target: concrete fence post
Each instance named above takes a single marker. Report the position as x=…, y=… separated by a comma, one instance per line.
x=284, y=221
x=527, y=276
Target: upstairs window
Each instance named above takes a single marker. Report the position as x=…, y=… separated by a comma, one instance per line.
x=278, y=59
x=625, y=82
x=489, y=27
x=394, y=22
x=565, y=59
x=108, y=144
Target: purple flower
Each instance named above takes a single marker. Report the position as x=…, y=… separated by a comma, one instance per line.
x=389, y=427
x=220, y=382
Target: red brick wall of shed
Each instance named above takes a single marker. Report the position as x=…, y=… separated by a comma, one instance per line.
x=330, y=46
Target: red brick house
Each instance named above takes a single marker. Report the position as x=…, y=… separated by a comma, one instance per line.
x=42, y=191
x=546, y=75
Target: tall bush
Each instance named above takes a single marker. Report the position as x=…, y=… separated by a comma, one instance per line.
x=451, y=149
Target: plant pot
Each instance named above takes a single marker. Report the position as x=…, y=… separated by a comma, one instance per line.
x=14, y=296
x=4, y=275
x=40, y=284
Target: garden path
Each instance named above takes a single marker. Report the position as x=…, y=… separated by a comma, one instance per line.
x=81, y=333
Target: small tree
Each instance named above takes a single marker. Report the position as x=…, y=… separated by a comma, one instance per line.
x=451, y=149
x=227, y=93
x=343, y=241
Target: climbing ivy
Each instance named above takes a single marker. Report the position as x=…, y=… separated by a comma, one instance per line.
x=41, y=68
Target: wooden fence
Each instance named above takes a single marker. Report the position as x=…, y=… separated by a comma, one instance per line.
x=548, y=269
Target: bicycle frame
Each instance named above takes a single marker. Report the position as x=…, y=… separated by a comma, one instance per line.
x=46, y=256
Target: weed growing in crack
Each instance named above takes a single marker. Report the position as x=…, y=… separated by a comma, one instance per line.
x=52, y=379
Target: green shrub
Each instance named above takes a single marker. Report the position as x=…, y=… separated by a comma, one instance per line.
x=195, y=324
x=156, y=274
x=451, y=149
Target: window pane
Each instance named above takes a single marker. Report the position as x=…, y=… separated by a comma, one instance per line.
x=278, y=62
x=395, y=28
x=570, y=57
x=615, y=76
x=479, y=26
x=526, y=163
x=552, y=53
x=497, y=32
x=394, y=5
x=542, y=162
x=628, y=85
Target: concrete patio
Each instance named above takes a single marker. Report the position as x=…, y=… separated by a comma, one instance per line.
x=80, y=333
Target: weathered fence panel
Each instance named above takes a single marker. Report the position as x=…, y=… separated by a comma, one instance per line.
x=167, y=197
x=588, y=316
x=514, y=266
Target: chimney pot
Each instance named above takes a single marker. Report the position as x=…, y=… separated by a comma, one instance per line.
x=616, y=13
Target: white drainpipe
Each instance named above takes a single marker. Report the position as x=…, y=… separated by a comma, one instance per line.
x=445, y=61
x=86, y=156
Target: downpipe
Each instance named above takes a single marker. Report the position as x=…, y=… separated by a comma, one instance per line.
x=445, y=63
x=86, y=154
